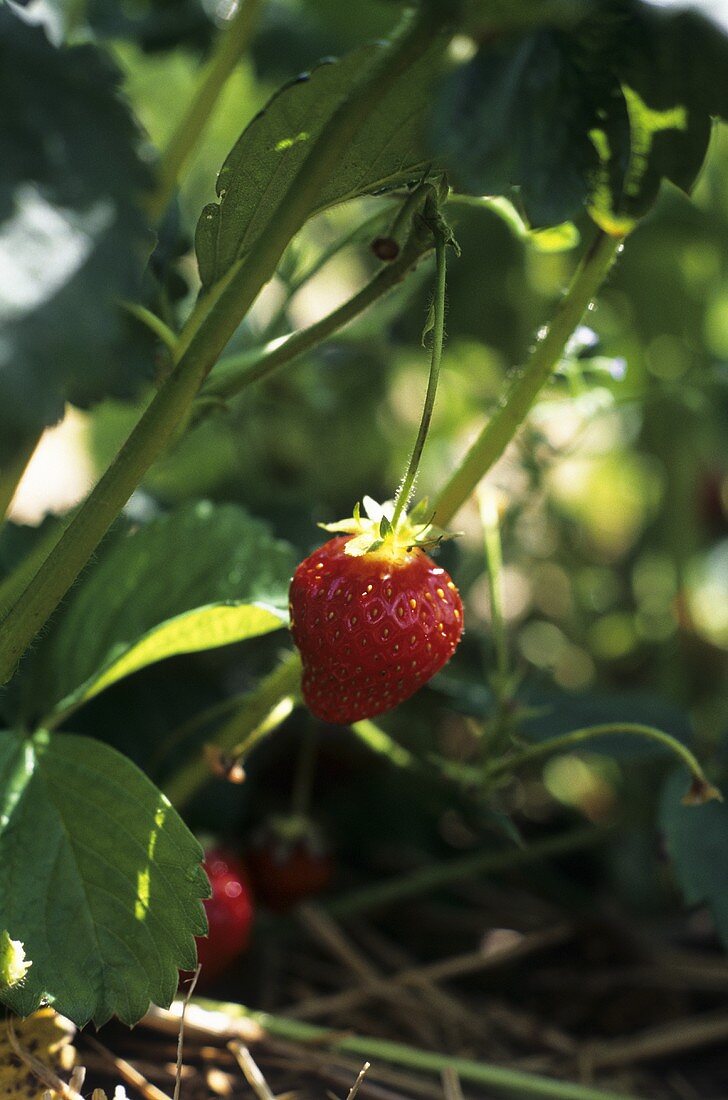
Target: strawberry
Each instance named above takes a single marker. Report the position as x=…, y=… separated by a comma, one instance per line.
x=229, y=913
x=373, y=616
x=288, y=862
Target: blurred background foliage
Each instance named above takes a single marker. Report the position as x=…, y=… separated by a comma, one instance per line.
x=614, y=499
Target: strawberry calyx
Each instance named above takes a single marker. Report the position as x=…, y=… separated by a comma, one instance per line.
x=376, y=532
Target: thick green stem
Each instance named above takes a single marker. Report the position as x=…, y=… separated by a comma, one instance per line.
x=378, y=741
x=437, y=876
x=262, y=710
x=701, y=790
x=235, y=372
x=523, y=391
x=510, y=1081
x=232, y=44
x=91, y=522
x=438, y=336
x=207, y=332
x=12, y=472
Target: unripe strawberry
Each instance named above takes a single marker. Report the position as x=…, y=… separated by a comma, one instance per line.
x=229, y=913
x=373, y=616
x=288, y=862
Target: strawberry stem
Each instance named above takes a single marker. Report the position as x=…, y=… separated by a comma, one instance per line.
x=702, y=790
x=438, y=337
x=303, y=779
x=260, y=712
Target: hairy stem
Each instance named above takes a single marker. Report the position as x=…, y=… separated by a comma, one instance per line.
x=90, y=523
x=523, y=391
x=261, y=711
x=13, y=586
x=702, y=790
x=231, y=45
x=438, y=338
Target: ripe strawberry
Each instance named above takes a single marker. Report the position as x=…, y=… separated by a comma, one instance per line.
x=229, y=913
x=373, y=616
x=288, y=863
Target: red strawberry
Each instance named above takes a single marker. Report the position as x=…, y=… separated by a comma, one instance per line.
x=229, y=913
x=373, y=617
x=288, y=862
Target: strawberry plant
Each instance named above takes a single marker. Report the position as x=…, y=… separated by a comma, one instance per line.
x=542, y=131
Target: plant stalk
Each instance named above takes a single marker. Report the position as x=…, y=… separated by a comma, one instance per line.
x=93, y=519
x=232, y=374
x=438, y=337
x=512, y=1081
x=524, y=389
x=262, y=710
x=365, y=229
x=702, y=790
x=232, y=44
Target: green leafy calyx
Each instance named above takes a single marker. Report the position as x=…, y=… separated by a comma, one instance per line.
x=375, y=532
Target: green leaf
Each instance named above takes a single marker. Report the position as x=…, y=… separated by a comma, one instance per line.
x=71, y=232
x=204, y=628
x=598, y=114
x=386, y=152
x=697, y=840
x=516, y=115
x=99, y=878
x=671, y=72
x=203, y=576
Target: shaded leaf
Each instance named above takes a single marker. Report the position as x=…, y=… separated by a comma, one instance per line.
x=203, y=628
x=99, y=877
x=72, y=236
x=598, y=113
x=697, y=840
x=670, y=88
x=200, y=577
x=517, y=115
x=385, y=152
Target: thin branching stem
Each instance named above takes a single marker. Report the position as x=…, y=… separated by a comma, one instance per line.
x=701, y=791
x=438, y=337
